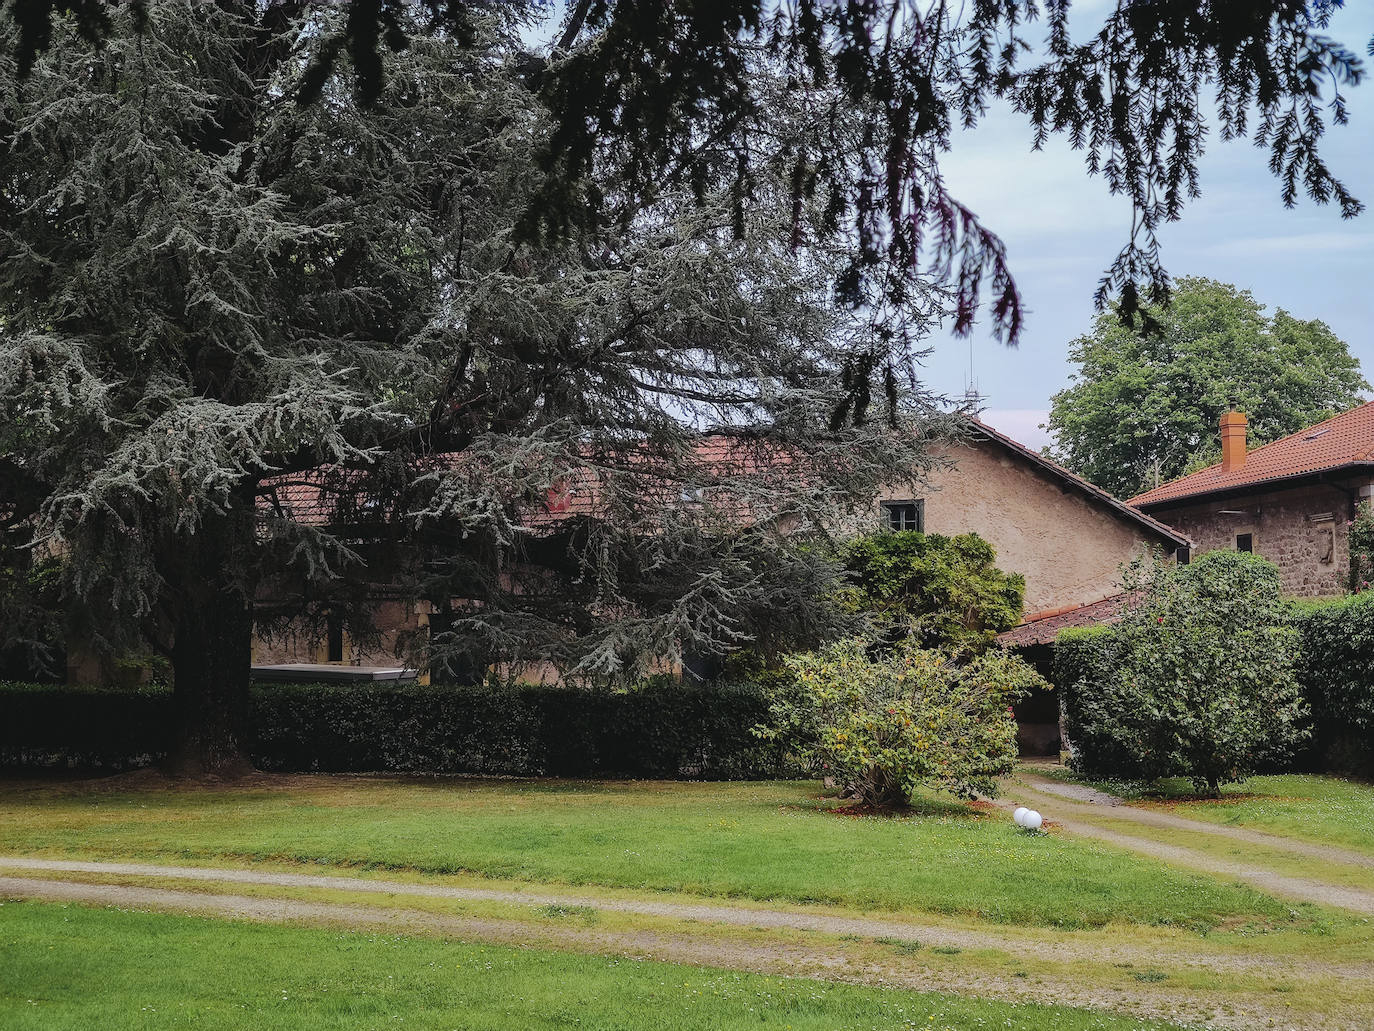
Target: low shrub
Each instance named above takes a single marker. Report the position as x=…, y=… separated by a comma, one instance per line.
x=1361, y=544
x=1198, y=679
x=663, y=729
x=882, y=722
x=1086, y=663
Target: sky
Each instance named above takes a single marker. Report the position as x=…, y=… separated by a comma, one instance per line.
x=1063, y=229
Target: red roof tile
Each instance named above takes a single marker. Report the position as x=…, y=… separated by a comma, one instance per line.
x=327, y=494
x=1043, y=627
x=1343, y=440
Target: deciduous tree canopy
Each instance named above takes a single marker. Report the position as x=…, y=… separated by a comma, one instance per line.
x=1197, y=679
x=944, y=592
x=1144, y=407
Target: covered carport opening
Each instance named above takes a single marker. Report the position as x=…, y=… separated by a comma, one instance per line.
x=1038, y=716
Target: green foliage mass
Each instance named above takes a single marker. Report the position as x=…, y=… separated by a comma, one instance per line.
x=1361, y=543
x=884, y=725
x=662, y=729
x=1145, y=407
x=1198, y=679
x=1139, y=93
x=945, y=592
x=211, y=295
x=1337, y=670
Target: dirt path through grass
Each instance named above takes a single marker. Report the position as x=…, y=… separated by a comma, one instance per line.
x=1106, y=819
x=1123, y=810
x=829, y=960
x=930, y=935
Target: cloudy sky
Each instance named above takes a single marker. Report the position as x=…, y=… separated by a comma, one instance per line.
x=1063, y=229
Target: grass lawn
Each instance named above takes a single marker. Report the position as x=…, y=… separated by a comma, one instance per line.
x=60, y=971
x=1326, y=810
x=746, y=840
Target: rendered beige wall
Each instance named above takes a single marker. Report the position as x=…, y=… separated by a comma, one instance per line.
x=1070, y=550
x=301, y=643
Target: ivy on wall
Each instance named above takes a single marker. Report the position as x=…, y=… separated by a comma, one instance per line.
x=1361, y=548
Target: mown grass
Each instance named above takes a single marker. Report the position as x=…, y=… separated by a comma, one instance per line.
x=71, y=967
x=765, y=841
x=1324, y=810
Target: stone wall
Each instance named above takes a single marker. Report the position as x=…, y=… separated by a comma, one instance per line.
x=1069, y=549
x=1302, y=530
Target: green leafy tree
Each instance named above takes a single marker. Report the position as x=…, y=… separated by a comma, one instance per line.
x=1144, y=407
x=944, y=592
x=674, y=90
x=1197, y=680
x=212, y=296
x=884, y=724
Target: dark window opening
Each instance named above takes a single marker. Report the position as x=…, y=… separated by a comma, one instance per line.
x=905, y=515
x=701, y=666
x=1183, y=555
x=334, y=639
x=1245, y=542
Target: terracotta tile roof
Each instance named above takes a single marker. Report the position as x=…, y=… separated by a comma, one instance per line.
x=1343, y=440
x=323, y=496
x=305, y=498
x=1043, y=627
x=1093, y=492
x=330, y=495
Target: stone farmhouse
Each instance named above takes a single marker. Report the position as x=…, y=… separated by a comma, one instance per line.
x=1066, y=537
x=1290, y=501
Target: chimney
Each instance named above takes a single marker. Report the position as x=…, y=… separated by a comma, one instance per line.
x=1233, y=441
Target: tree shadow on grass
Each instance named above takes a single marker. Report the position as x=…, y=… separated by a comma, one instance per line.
x=920, y=807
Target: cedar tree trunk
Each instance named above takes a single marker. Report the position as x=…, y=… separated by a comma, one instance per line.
x=211, y=652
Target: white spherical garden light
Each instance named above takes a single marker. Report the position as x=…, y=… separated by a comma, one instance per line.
x=1032, y=821
x=1020, y=815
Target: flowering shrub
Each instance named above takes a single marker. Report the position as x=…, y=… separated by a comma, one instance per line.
x=1197, y=679
x=883, y=724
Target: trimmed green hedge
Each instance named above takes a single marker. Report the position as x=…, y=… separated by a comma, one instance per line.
x=46, y=725
x=1084, y=658
x=661, y=730
x=1337, y=667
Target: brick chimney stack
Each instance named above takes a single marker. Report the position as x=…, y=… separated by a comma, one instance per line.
x=1233, y=441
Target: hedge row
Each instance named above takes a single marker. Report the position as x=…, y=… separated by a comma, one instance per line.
x=1335, y=667
x=663, y=730
x=45, y=725
x=1083, y=660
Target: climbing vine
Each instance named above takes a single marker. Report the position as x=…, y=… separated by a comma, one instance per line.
x=1361, y=548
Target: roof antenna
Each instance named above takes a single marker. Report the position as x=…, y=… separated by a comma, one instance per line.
x=973, y=400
